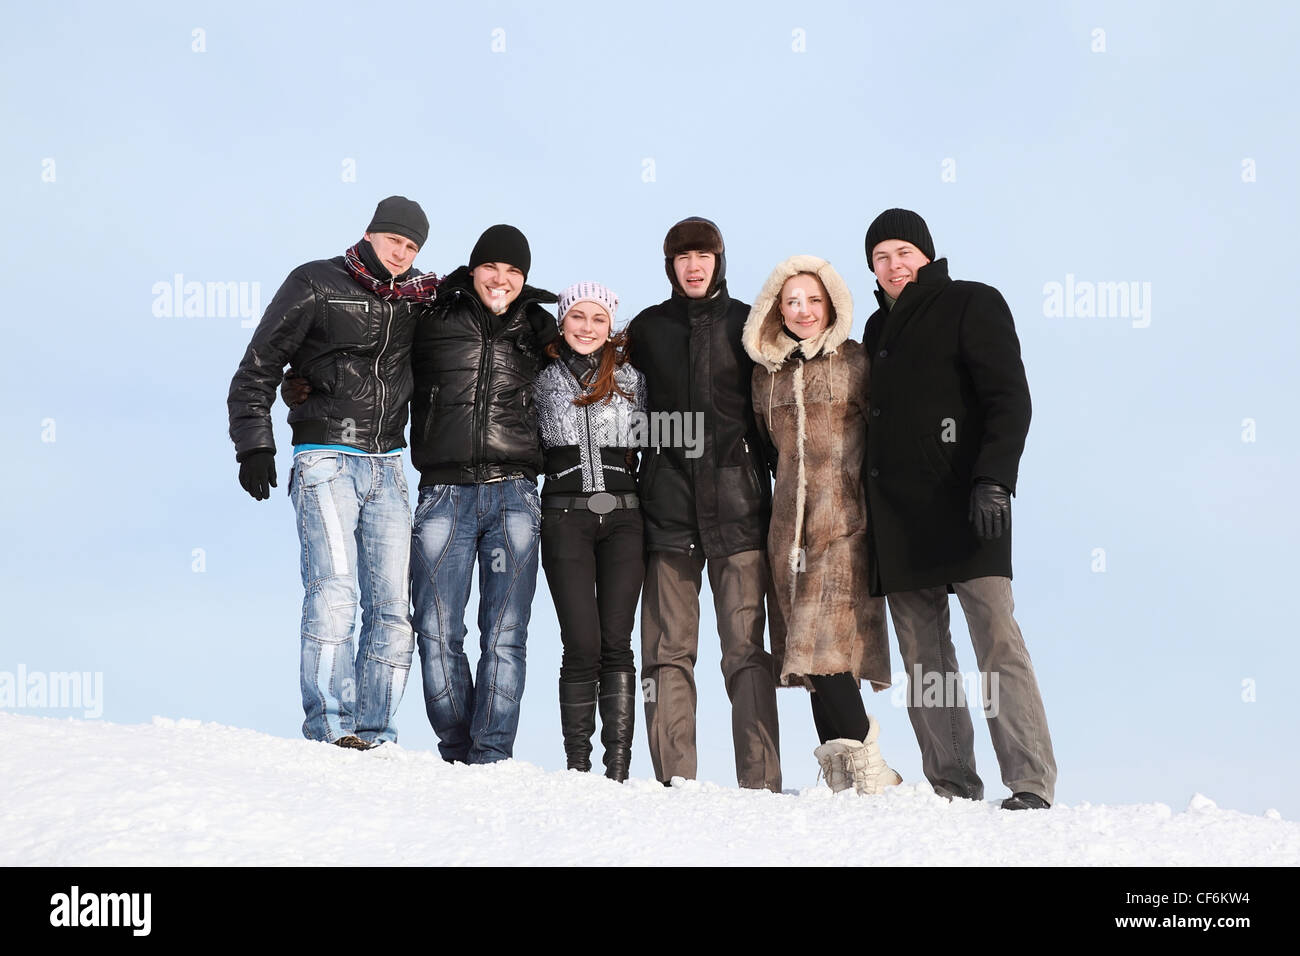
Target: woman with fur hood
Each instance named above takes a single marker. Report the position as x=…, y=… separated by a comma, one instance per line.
x=810, y=401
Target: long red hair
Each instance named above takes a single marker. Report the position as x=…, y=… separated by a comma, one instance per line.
x=613, y=358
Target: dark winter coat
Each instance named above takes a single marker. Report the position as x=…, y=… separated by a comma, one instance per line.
x=949, y=404
x=353, y=347
x=472, y=415
x=811, y=399
x=716, y=496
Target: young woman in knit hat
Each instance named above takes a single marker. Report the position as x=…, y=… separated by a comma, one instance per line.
x=591, y=406
x=809, y=392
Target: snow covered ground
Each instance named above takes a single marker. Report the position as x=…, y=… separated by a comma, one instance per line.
x=179, y=792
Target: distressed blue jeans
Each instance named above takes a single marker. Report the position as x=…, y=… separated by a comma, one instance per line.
x=354, y=523
x=495, y=526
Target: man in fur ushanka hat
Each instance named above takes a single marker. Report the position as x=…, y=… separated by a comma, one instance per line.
x=706, y=499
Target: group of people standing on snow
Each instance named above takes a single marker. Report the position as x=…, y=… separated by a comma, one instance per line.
x=894, y=462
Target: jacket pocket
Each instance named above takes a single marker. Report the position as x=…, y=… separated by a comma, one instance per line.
x=427, y=428
x=530, y=409
x=317, y=467
x=754, y=484
x=939, y=463
x=352, y=322
x=350, y=303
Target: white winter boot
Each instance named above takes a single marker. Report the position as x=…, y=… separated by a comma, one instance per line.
x=856, y=763
x=833, y=768
x=865, y=765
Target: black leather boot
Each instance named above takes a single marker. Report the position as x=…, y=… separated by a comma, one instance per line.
x=578, y=721
x=617, y=722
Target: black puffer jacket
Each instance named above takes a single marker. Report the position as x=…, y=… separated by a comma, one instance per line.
x=719, y=500
x=472, y=416
x=353, y=348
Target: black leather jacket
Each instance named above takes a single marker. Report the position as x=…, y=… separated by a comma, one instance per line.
x=353, y=348
x=472, y=416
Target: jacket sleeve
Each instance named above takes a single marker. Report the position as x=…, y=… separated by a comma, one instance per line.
x=990, y=350
x=760, y=382
x=638, y=393
x=277, y=337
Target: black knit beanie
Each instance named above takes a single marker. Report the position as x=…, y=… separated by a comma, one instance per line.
x=401, y=216
x=900, y=224
x=702, y=235
x=502, y=243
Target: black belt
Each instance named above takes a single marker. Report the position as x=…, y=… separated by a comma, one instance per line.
x=600, y=503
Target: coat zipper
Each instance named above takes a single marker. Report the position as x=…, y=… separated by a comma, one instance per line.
x=485, y=372
x=749, y=463
x=383, y=392
x=596, y=463
x=480, y=398
x=361, y=302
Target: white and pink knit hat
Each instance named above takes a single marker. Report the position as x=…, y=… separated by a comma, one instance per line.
x=588, y=292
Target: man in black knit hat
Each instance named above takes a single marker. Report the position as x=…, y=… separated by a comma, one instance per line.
x=949, y=415
x=346, y=324
x=705, y=501
x=475, y=441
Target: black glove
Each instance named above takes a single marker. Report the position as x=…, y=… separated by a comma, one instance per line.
x=257, y=474
x=990, y=509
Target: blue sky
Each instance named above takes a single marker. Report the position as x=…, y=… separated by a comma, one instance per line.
x=1040, y=151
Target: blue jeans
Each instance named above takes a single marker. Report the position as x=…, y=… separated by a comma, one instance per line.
x=497, y=525
x=354, y=522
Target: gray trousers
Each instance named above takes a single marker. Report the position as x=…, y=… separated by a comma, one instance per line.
x=937, y=706
x=670, y=622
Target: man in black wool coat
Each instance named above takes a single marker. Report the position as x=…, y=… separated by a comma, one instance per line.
x=949, y=415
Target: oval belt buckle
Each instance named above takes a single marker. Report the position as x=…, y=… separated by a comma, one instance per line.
x=601, y=503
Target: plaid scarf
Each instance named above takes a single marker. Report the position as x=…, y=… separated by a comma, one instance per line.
x=422, y=288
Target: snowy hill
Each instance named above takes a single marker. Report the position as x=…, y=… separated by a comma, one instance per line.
x=85, y=793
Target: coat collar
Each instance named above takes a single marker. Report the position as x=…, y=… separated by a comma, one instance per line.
x=763, y=336
x=460, y=284
x=930, y=280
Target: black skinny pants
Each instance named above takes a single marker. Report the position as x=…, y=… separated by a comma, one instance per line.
x=594, y=565
x=837, y=707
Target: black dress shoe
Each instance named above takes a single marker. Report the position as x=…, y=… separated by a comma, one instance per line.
x=1025, y=801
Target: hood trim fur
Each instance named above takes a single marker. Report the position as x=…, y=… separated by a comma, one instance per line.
x=763, y=337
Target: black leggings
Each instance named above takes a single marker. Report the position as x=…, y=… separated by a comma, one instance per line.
x=837, y=707
x=595, y=566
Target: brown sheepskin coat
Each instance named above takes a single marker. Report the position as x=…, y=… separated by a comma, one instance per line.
x=810, y=398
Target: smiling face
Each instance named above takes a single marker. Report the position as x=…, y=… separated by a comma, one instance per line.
x=394, y=251
x=694, y=270
x=895, y=264
x=585, y=327
x=497, y=284
x=805, y=306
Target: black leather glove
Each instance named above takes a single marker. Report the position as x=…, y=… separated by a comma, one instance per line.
x=293, y=389
x=990, y=509
x=257, y=474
